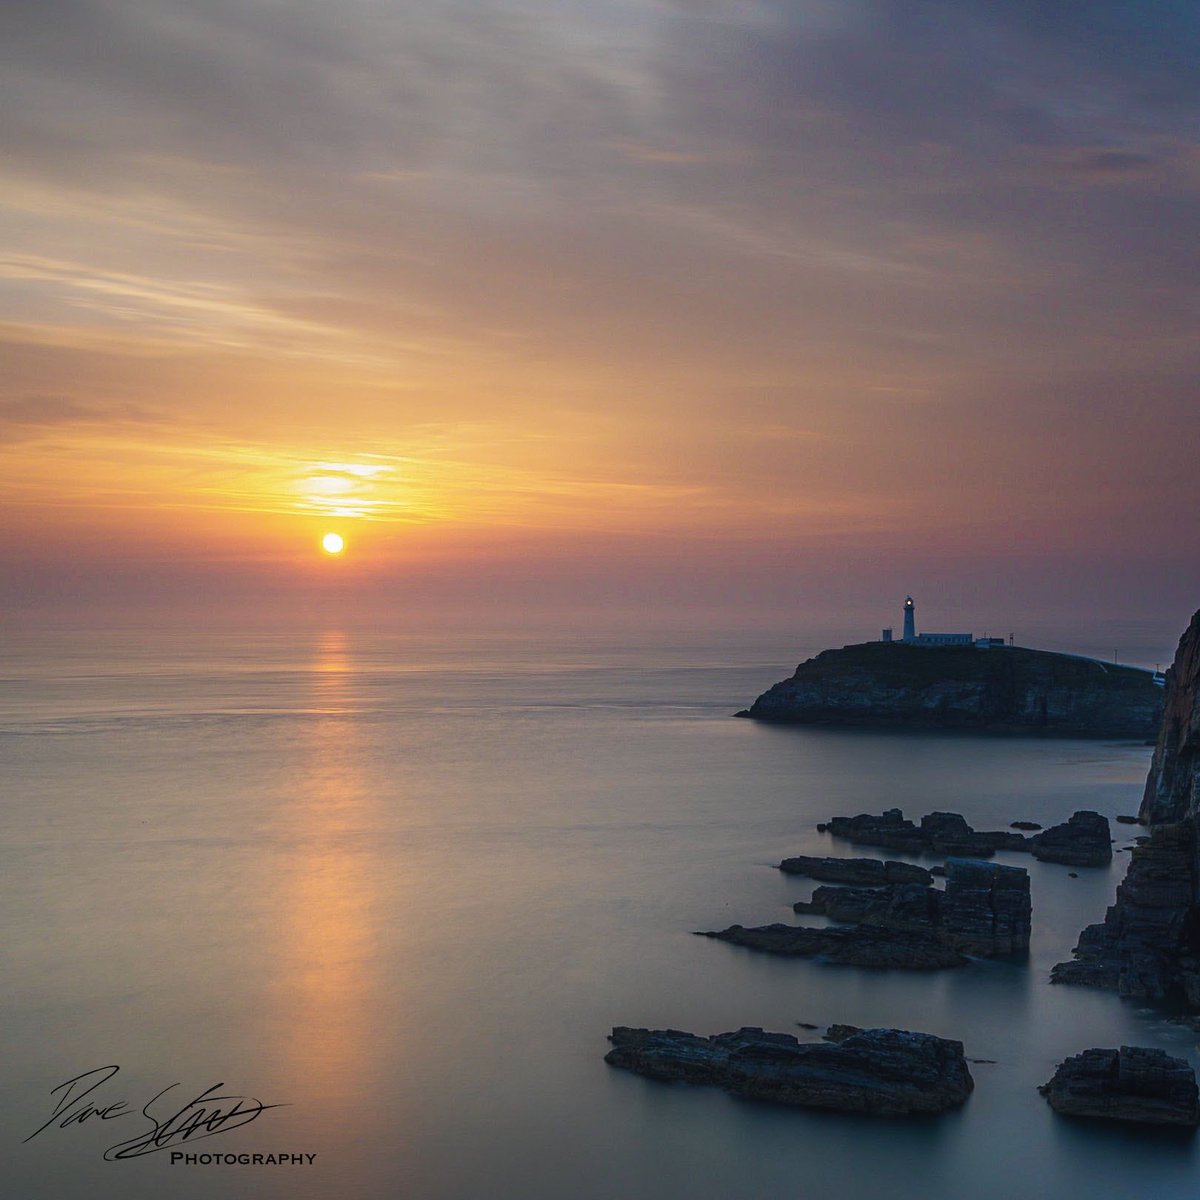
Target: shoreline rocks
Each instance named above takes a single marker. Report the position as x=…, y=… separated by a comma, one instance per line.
x=1130, y=1084
x=876, y=1072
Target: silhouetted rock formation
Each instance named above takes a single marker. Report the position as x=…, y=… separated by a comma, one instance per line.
x=854, y=946
x=938, y=833
x=1083, y=841
x=871, y=872
x=985, y=909
x=1130, y=1084
x=878, y=1072
x=1148, y=945
x=1003, y=690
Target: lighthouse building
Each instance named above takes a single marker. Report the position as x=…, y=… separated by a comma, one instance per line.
x=913, y=638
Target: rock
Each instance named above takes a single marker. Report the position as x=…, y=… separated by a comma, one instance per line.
x=1130, y=1084
x=1143, y=948
x=869, y=871
x=1126, y=819
x=879, y=1072
x=807, y=1025
x=1172, y=791
x=939, y=871
x=999, y=690
x=1027, y=825
x=855, y=946
x=938, y=833
x=985, y=909
x=1147, y=947
x=1083, y=841
x=1072, y=875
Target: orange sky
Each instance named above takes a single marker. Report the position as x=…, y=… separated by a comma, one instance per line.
x=613, y=306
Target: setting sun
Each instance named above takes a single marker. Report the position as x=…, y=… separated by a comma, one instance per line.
x=333, y=543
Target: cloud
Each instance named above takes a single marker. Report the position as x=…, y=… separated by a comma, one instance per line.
x=31, y=416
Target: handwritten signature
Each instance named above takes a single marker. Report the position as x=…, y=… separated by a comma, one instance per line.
x=205, y=1116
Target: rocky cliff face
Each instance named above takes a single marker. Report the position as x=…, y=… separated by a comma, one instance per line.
x=1003, y=690
x=1148, y=945
x=1173, y=785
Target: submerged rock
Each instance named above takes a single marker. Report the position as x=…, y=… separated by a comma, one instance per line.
x=878, y=1072
x=872, y=872
x=1130, y=1084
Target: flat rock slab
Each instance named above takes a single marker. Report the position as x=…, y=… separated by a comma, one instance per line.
x=868, y=872
x=1130, y=1084
x=855, y=946
x=876, y=1072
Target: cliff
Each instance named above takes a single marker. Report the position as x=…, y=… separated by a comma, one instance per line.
x=1002, y=690
x=1148, y=945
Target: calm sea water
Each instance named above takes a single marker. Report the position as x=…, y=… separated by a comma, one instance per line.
x=406, y=886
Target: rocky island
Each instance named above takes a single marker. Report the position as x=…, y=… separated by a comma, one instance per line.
x=998, y=689
x=1134, y=1083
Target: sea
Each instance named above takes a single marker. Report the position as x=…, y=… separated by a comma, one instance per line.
x=397, y=888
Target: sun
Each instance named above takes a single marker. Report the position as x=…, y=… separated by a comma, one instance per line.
x=333, y=543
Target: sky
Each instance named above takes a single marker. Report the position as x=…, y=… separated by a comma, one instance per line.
x=600, y=310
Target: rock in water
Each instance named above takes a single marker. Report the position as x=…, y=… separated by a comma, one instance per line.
x=1083, y=841
x=871, y=872
x=1130, y=1084
x=856, y=946
x=985, y=909
x=1001, y=690
x=1147, y=945
x=878, y=1072
x=938, y=833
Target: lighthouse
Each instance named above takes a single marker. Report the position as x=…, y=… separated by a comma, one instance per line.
x=910, y=620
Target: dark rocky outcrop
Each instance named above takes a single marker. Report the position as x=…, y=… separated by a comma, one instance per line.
x=1145, y=947
x=1148, y=945
x=985, y=909
x=1025, y=825
x=938, y=833
x=1127, y=819
x=1083, y=841
x=852, y=946
x=872, y=872
x=1002, y=690
x=1172, y=791
x=1130, y=1084
x=878, y=1072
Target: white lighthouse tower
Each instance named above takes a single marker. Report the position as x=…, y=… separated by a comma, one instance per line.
x=910, y=620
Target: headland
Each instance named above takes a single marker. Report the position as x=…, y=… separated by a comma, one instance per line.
x=960, y=682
